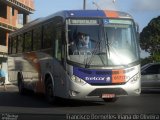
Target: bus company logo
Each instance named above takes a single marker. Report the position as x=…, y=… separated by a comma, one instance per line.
x=108, y=79
x=94, y=78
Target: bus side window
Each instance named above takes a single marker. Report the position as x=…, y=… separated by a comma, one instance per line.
x=58, y=46
x=20, y=44
x=48, y=35
x=28, y=41
x=14, y=44
x=10, y=46
x=37, y=37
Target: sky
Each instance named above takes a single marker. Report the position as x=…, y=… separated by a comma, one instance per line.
x=143, y=11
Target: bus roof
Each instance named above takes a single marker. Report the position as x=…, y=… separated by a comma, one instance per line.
x=91, y=13
x=76, y=14
x=97, y=13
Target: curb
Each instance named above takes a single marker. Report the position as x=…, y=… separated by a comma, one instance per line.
x=8, y=87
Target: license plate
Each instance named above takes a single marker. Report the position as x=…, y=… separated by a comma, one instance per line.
x=108, y=95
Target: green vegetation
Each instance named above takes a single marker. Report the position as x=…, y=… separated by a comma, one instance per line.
x=150, y=41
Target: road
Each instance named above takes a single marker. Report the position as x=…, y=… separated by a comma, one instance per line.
x=13, y=103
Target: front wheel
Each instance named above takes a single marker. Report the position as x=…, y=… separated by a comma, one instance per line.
x=110, y=99
x=50, y=92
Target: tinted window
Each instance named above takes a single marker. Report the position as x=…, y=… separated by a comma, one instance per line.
x=14, y=44
x=48, y=35
x=20, y=43
x=58, y=44
x=154, y=69
x=28, y=41
x=10, y=46
x=37, y=38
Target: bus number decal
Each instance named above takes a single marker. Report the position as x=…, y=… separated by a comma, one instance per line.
x=118, y=78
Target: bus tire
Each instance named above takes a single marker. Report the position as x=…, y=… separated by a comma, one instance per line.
x=49, y=91
x=110, y=99
x=21, y=88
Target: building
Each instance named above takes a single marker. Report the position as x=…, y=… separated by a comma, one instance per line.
x=13, y=15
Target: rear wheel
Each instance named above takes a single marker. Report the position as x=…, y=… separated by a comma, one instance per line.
x=21, y=88
x=50, y=91
x=110, y=99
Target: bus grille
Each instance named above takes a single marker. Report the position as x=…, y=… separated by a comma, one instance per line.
x=100, y=91
x=102, y=84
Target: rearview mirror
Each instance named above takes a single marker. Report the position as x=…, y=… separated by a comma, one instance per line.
x=137, y=31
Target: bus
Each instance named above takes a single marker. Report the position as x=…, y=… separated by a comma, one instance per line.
x=77, y=54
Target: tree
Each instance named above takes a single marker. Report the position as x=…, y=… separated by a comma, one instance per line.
x=150, y=39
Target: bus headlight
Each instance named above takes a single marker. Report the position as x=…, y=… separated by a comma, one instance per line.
x=135, y=78
x=78, y=80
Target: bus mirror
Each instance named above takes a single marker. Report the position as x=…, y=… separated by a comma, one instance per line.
x=137, y=30
x=137, y=27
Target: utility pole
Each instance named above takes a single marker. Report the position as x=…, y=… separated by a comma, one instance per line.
x=84, y=4
x=113, y=1
x=98, y=7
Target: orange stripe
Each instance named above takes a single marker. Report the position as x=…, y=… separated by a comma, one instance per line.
x=118, y=76
x=32, y=58
x=112, y=14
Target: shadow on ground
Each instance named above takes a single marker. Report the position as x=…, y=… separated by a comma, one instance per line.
x=14, y=99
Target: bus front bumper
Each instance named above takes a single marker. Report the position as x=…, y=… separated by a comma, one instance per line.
x=88, y=91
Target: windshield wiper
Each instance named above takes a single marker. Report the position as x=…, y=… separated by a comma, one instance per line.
x=96, y=51
x=88, y=63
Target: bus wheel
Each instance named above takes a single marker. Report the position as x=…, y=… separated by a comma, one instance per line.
x=50, y=91
x=110, y=99
x=21, y=88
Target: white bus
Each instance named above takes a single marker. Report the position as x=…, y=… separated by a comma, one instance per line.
x=77, y=54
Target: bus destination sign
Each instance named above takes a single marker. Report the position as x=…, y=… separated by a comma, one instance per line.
x=83, y=22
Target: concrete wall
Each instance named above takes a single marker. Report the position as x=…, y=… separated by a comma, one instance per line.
x=29, y=3
x=11, y=18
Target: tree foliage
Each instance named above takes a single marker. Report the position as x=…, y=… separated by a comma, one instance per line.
x=150, y=39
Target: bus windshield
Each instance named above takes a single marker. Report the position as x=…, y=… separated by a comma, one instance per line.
x=92, y=44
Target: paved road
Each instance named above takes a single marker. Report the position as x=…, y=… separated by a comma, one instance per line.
x=12, y=102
